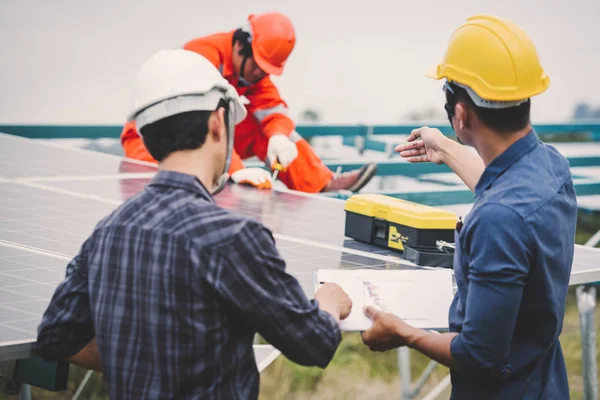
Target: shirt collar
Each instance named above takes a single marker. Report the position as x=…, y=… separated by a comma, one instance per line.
x=501, y=163
x=178, y=180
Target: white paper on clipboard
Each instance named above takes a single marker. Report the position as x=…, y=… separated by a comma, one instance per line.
x=421, y=298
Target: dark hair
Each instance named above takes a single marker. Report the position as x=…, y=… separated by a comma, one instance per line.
x=184, y=131
x=503, y=120
x=243, y=38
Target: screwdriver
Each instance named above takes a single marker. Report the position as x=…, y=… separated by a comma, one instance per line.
x=277, y=168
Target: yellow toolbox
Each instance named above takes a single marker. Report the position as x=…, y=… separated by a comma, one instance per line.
x=395, y=223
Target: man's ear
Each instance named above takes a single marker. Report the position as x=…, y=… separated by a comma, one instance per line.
x=462, y=115
x=216, y=124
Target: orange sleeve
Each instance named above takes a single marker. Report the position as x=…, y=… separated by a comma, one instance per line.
x=133, y=145
x=269, y=109
x=236, y=163
x=200, y=46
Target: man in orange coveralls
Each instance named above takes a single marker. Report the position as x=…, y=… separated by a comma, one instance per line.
x=246, y=57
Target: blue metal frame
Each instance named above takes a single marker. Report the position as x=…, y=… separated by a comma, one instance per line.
x=386, y=146
x=63, y=131
x=542, y=128
x=114, y=131
x=394, y=167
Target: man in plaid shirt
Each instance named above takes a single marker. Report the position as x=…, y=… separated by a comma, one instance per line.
x=168, y=292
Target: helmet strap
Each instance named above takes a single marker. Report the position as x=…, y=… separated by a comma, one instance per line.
x=230, y=129
x=242, y=81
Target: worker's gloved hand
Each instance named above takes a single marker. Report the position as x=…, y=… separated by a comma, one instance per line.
x=282, y=150
x=257, y=177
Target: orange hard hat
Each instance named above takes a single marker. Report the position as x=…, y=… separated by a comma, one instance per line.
x=273, y=39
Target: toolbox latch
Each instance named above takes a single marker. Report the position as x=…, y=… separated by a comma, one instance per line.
x=380, y=229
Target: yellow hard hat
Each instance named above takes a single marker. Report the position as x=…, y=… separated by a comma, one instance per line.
x=495, y=58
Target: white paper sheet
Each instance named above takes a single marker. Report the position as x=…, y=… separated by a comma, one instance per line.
x=421, y=298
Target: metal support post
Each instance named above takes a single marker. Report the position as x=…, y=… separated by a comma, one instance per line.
x=404, y=371
x=25, y=392
x=83, y=384
x=586, y=303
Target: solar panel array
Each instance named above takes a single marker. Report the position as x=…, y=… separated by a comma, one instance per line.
x=52, y=197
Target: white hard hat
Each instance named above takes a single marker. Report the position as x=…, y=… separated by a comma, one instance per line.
x=176, y=81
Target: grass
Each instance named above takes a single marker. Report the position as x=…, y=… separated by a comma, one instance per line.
x=356, y=373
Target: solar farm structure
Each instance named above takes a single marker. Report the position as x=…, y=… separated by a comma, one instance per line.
x=53, y=195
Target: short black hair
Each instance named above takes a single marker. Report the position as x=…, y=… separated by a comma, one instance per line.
x=503, y=120
x=184, y=131
x=243, y=38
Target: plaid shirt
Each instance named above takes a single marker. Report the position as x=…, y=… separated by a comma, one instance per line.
x=174, y=289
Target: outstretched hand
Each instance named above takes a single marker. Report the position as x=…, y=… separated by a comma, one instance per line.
x=424, y=145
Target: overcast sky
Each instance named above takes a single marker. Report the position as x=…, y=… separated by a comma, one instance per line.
x=73, y=61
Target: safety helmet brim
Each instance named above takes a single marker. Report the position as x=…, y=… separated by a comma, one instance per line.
x=264, y=64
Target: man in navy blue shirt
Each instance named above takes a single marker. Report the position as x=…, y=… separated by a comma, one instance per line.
x=166, y=295
x=515, y=248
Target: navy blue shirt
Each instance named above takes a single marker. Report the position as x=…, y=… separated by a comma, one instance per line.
x=512, y=266
x=174, y=289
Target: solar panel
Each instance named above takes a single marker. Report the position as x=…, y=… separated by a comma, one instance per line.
x=27, y=281
x=264, y=355
x=318, y=219
x=586, y=265
x=45, y=217
x=112, y=189
x=47, y=220
x=20, y=158
x=58, y=223
x=303, y=259
x=52, y=198
x=23, y=301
